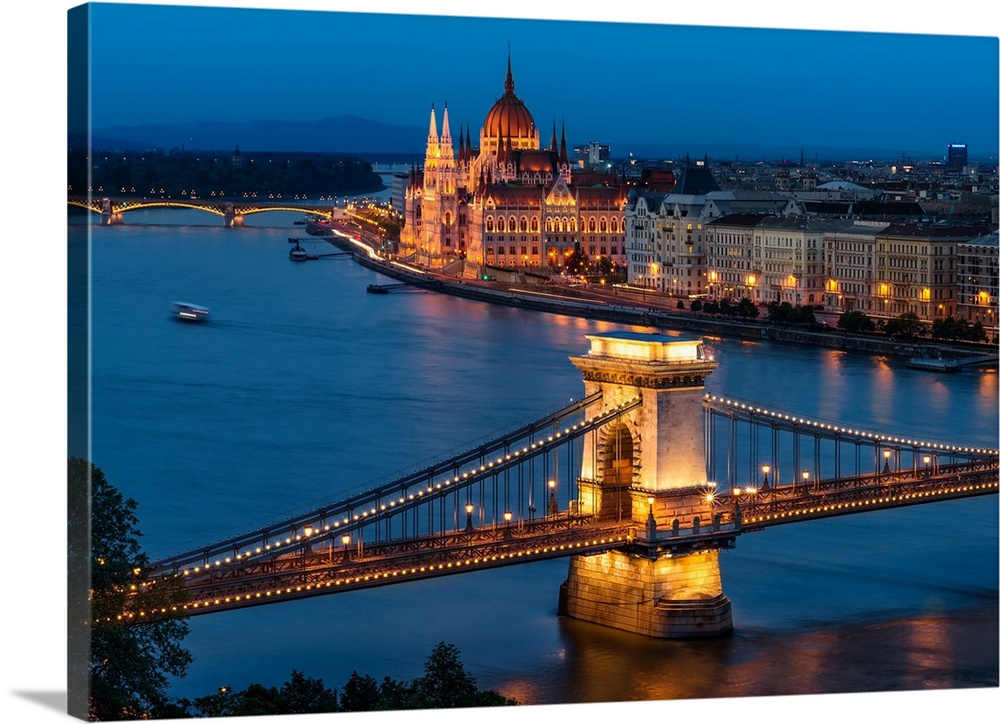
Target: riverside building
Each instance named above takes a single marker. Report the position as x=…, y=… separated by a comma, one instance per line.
x=508, y=201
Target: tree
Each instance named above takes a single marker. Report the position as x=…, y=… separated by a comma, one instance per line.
x=359, y=693
x=129, y=664
x=446, y=684
x=299, y=695
x=746, y=309
x=855, y=321
x=905, y=327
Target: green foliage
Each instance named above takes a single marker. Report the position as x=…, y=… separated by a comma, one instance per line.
x=299, y=695
x=745, y=308
x=445, y=684
x=960, y=329
x=204, y=173
x=785, y=314
x=360, y=693
x=905, y=327
x=129, y=665
x=855, y=321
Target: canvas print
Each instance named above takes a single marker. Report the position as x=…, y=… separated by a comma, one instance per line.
x=421, y=363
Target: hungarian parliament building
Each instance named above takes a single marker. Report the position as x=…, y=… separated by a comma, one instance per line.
x=508, y=202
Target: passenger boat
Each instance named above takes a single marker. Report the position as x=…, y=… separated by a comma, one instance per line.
x=298, y=253
x=188, y=312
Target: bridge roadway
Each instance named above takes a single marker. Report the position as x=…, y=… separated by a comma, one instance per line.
x=311, y=570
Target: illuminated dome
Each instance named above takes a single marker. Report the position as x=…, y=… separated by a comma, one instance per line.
x=509, y=117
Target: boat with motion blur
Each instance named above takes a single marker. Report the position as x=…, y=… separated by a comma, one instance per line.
x=187, y=312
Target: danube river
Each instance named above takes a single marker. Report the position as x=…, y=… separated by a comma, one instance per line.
x=303, y=388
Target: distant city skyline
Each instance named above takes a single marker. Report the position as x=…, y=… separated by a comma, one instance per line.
x=624, y=84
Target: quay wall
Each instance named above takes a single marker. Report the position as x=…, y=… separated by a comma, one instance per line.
x=649, y=317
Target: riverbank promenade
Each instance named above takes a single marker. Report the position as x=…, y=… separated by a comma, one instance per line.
x=617, y=303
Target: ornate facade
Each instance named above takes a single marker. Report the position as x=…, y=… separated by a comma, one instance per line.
x=508, y=202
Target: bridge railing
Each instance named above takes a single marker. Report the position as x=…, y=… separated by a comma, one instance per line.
x=757, y=508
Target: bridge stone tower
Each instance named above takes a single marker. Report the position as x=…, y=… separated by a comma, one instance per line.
x=648, y=467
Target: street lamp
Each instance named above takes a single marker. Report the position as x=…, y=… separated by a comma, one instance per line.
x=346, y=540
x=805, y=482
x=766, y=469
x=468, y=518
x=651, y=519
x=886, y=454
x=553, y=505
x=927, y=466
x=507, y=515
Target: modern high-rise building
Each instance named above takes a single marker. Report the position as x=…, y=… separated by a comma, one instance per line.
x=958, y=156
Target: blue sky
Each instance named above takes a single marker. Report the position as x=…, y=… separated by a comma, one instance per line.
x=620, y=82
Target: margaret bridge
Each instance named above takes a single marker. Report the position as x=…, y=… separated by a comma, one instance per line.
x=640, y=483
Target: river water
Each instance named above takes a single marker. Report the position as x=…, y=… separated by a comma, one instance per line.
x=303, y=388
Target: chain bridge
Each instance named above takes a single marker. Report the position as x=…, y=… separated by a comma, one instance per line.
x=640, y=483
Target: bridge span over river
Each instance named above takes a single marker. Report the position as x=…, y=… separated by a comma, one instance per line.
x=640, y=483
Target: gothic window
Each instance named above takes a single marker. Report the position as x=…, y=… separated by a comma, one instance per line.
x=534, y=223
x=489, y=223
x=501, y=224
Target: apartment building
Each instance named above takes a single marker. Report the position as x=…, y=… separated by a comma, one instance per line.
x=916, y=269
x=976, y=267
x=788, y=251
x=849, y=267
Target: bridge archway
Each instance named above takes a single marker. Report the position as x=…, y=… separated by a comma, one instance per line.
x=617, y=465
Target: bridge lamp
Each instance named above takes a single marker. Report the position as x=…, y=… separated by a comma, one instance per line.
x=468, y=517
x=805, y=480
x=927, y=466
x=766, y=469
x=887, y=454
x=553, y=505
x=346, y=540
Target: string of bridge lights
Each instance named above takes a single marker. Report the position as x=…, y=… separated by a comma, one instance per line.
x=751, y=516
x=363, y=517
x=829, y=427
x=361, y=579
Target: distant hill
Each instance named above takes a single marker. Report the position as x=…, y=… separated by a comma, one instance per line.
x=339, y=134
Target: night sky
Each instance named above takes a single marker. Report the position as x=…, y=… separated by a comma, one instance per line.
x=622, y=83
